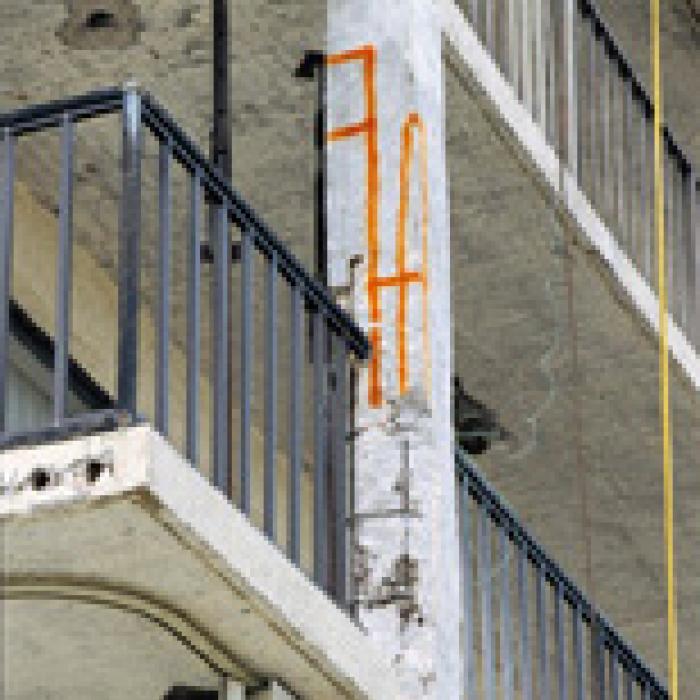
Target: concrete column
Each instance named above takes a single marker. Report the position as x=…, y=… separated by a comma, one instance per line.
x=389, y=245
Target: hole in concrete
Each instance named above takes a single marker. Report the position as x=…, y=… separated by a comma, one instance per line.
x=100, y=19
x=100, y=24
x=93, y=471
x=40, y=479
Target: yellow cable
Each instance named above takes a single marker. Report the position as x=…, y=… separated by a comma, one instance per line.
x=663, y=354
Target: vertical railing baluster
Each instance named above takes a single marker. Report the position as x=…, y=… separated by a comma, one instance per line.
x=669, y=232
x=502, y=34
x=320, y=429
x=614, y=678
x=542, y=646
x=525, y=651
x=129, y=253
x=296, y=419
x=270, y=488
x=6, y=247
x=597, y=660
x=611, y=185
x=651, y=200
x=577, y=634
x=571, y=56
x=247, y=251
x=629, y=685
x=513, y=55
x=163, y=299
x=540, y=69
x=580, y=71
x=694, y=263
x=64, y=274
x=489, y=29
x=687, y=255
x=681, y=248
x=551, y=12
x=505, y=618
x=562, y=679
x=606, y=181
x=474, y=8
x=485, y=575
x=220, y=390
x=340, y=429
x=630, y=152
x=193, y=320
x=646, y=692
x=593, y=114
x=467, y=591
x=644, y=192
x=527, y=75
x=621, y=151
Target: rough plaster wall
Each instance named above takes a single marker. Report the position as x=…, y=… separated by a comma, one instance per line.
x=596, y=428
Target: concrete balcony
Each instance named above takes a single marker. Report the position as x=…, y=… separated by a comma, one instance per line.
x=126, y=573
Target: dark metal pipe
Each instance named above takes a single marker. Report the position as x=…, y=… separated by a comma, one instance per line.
x=221, y=132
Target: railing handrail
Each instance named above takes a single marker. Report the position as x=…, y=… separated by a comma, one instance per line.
x=192, y=158
x=333, y=342
x=504, y=516
x=109, y=100
x=613, y=46
x=49, y=114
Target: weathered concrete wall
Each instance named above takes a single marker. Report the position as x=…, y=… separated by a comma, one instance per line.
x=387, y=204
x=547, y=340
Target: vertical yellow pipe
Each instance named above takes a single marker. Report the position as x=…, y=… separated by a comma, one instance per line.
x=663, y=353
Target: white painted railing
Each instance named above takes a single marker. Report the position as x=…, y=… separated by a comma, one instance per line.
x=558, y=78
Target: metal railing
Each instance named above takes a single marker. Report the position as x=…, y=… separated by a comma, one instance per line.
x=563, y=649
x=328, y=348
x=570, y=73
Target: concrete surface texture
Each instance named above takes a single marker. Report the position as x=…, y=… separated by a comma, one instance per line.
x=548, y=341
x=582, y=405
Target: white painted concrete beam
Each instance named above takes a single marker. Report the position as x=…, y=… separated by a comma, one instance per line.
x=151, y=535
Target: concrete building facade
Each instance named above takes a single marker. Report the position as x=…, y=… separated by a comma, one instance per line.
x=261, y=438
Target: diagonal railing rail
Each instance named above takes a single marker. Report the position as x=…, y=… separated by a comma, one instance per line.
x=578, y=654
x=566, y=68
x=329, y=347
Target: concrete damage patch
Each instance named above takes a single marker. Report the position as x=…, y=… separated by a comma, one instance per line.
x=100, y=24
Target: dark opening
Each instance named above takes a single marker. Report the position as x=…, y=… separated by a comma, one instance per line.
x=100, y=19
x=93, y=471
x=40, y=479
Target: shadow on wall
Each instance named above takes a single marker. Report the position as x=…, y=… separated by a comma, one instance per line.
x=476, y=425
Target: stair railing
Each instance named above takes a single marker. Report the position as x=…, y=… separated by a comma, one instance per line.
x=564, y=648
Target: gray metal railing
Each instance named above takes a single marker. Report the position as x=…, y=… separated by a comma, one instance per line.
x=331, y=344
x=570, y=73
x=564, y=647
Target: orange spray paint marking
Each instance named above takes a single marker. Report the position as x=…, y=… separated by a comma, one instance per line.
x=368, y=127
x=403, y=277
